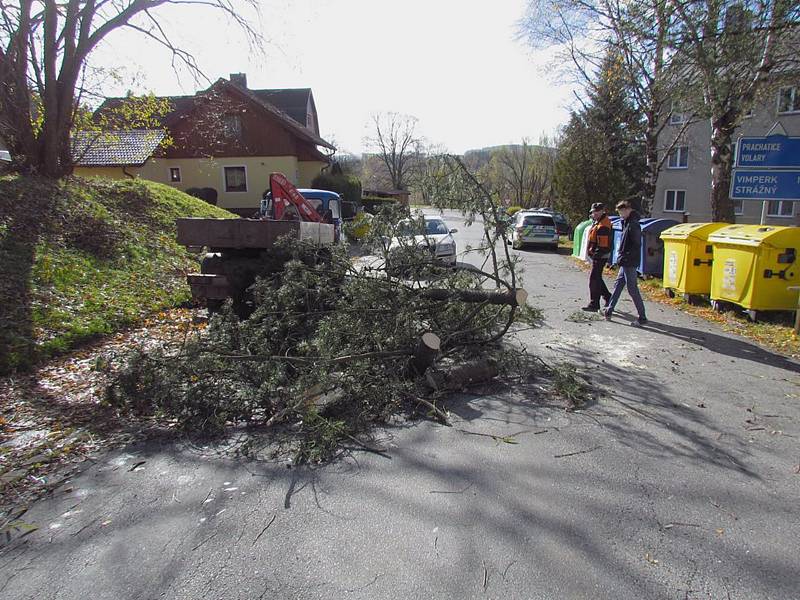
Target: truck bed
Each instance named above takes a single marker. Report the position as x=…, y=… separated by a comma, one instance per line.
x=248, y=233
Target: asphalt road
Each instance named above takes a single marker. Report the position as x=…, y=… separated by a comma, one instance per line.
x=681, y=481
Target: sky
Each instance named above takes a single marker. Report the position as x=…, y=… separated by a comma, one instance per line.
x=455, y=65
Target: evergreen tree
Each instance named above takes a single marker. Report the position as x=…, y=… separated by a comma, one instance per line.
x=601, y=156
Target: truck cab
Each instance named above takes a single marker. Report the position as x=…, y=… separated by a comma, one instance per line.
x=328, y=204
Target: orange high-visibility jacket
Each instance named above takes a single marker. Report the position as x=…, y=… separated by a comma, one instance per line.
x=600, y=238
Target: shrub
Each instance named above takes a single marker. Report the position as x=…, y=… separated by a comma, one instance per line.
x=347, y=186
x=512, y=210
x=359, y=227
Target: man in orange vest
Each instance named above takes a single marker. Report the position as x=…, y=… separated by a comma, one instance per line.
x=599, y=250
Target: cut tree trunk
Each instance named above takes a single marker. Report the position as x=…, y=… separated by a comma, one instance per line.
x=425, y=353
x=510, y=298
x=461, y=376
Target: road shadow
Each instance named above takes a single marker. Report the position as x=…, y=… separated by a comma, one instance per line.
x=725, y=345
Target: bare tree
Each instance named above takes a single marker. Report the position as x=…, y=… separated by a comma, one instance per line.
x=524, y=173
x=715, y=56
x=396, y=143
x=45, y=47
x=585, y=31
x=727, y=52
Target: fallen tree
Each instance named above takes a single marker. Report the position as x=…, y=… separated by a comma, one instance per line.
x=331, y=348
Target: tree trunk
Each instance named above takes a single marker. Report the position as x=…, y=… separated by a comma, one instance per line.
x=425, y=353
x=721, y=203
x=461, y=376
x=510, y=298
x=651, y=157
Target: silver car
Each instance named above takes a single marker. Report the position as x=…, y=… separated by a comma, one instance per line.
x=436, y=238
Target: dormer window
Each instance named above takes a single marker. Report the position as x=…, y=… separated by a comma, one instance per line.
x=232, y=126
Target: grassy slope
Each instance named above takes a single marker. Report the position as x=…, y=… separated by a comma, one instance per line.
x=81, y=258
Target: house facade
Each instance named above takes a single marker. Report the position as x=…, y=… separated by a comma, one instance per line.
x=683, y=190
x=226, y=141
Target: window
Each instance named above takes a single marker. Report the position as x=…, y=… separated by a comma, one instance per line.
x=679, y=158
x=675, y=201
x=232, y=126
x=175, y=174
x=788, y=100
x=435, y=227
x=738, y=207
x=535, y=220
x=235, y=179
x=780, y=208
x=676, y=117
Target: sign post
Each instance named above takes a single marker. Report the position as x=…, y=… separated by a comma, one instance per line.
x=767, y=168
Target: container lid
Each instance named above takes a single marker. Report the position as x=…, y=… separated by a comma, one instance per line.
x=655, y=225
x=757, y=235
x=683, y=231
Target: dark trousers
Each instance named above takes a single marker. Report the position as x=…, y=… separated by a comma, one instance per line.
x=597, y=287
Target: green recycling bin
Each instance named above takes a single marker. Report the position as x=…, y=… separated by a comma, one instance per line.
x=577, y=236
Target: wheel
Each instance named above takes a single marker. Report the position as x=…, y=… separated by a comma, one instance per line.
x=669, y=292
x=718, y=306
x=692, y=299
x=752, y=315
x=214, y=305
x=212, y=264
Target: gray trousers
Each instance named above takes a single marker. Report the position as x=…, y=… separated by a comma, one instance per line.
x=627, y=277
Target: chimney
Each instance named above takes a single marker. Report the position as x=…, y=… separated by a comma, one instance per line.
x=239, y=79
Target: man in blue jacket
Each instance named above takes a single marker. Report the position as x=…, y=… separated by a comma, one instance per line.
x=630, y=249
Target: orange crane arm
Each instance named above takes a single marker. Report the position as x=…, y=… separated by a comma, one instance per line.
x=284, y=193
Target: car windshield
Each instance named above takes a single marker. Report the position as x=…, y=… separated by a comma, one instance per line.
x=435, y=227
x=537, y=220
x=412, y=228
x=407, y=228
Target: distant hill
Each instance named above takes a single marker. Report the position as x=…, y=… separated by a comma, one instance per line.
x=490, y=149
x=81, y=258
x=480, y=156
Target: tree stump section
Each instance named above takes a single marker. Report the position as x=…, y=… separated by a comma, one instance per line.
x=425, y=353
x=461, y=376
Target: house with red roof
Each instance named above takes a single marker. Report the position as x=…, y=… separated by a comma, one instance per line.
x=224, y=141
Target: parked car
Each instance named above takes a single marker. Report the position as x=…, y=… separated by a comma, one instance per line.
x=429, y=234
x=562, y=225
x=534, y=228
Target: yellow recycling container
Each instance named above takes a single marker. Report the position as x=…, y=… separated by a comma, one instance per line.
x=753, y=267
x=688, y=258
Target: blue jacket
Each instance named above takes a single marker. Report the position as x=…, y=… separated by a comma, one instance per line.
x=630, y=244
